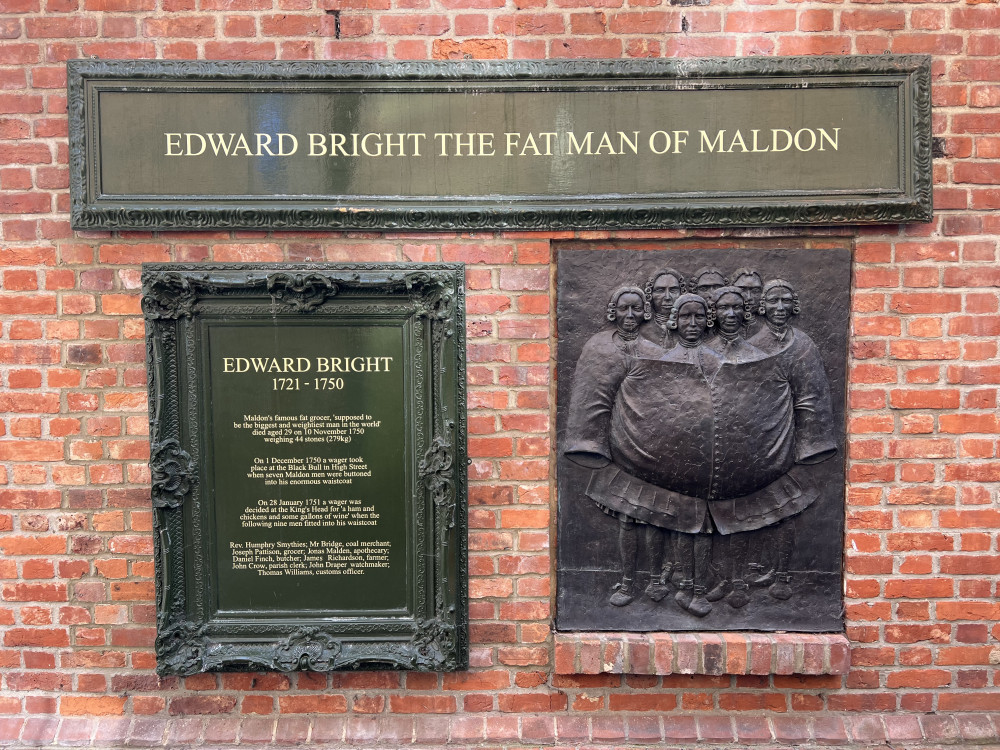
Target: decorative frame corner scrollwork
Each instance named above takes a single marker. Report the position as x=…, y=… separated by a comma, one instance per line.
x=433, y=646
x=181, y=648
x=168, y=296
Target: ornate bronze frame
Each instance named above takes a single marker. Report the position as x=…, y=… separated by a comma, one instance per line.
x=427, y=300
x=909, y=73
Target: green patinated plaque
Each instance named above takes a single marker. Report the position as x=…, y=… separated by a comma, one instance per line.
x=308, y=454
x=500, y=144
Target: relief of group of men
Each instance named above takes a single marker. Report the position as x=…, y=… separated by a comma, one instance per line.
x=698, y=413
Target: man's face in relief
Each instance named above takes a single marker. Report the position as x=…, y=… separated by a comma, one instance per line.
x=692, y=320
x=666, y=289
x=628, y=311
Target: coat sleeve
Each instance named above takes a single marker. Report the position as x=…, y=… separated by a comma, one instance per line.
x=599, y=373
x=814, y=431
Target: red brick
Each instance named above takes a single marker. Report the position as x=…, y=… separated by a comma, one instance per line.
x=870, y=20
x=524, y=519
x=913, y=302
x=44, y=637
x=965, y=423
x=974, y=375
x=78, y=705
x=180, y=26
x=980, y=701
x=967, y=610
x=919, y=588
x=422, y=704
x=202, y=704
x=922, y=496
x=240, y=50
x=979, y=325
x=976, y=277
x=531, y=702
x=60, y=27
x=469, y=49
x=760, y=21
x=978, y=564
x=413, y=25
x=33, y=545
x=924, y=399
x=922, y=448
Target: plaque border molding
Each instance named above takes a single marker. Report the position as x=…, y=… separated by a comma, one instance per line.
x=911, y=73
x=428, y=301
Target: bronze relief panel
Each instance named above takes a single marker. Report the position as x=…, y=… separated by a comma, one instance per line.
x=700, y=439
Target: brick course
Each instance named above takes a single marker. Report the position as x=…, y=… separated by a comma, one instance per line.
x=921, y=552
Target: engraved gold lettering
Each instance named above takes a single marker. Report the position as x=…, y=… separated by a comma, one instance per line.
x=661, y=135
x=359, y=363
x=218, y=143
x=737, y=139
x=464, y=140
x=282, y=138
x=529, y=142
x=202, y=144
x=824, y=136
x=442, y=138
x=548, y=136
x=241, y=143
x=774, y=139
x=378, y=144
x=624, y=140
x=173, y=141
x=264, y=143
x=716, y=143
x=337, y=141
x=390, y=144
x=317, y=141
x=605, y=143
x=812, y=139
x=513, y=139
x=572, y=143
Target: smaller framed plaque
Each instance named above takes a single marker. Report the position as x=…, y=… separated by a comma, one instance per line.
x=308, y=466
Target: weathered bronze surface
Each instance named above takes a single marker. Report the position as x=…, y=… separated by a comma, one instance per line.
x=500, y=144
x=700, y=439
x=308, y=466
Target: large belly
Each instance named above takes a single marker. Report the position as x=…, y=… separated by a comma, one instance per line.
x=715, y=440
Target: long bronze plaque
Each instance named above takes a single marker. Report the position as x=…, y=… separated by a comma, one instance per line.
x=500, y=145
x=308, y=454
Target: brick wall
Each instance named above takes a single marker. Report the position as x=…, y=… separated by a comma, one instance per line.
x=76, y=588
